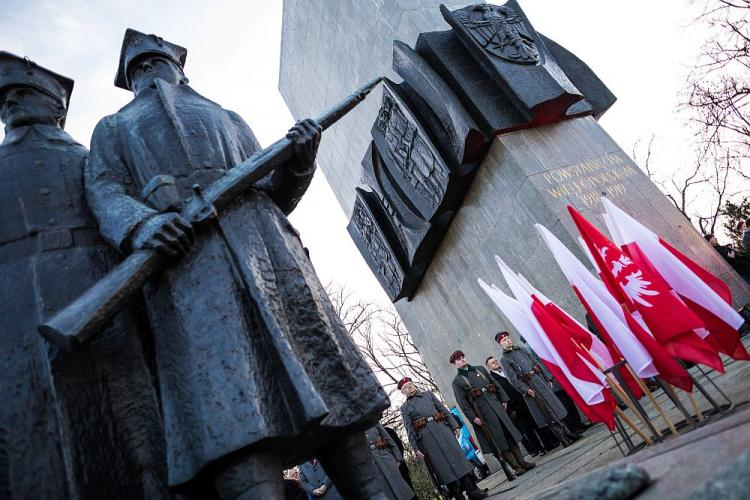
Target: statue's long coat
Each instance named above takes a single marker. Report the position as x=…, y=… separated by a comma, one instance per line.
x=249, y=349
x=518, y=361
x=489, y=406
x=84, y=424
x=436, y=439
x=386, y=461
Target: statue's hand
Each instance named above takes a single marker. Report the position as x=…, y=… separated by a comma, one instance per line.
x=166, y=233
x=305, y=135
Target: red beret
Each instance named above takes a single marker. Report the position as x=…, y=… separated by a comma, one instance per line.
x=456, y=355
x=500, y=336
x=403, y=382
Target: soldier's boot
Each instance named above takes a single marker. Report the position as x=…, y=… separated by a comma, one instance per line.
x=511, y=460
x=348, y=463
x=251, y=476
x=469, y=485
x=561, y=434
x=519, y=457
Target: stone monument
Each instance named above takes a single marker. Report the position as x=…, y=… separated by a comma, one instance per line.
x=492, y=128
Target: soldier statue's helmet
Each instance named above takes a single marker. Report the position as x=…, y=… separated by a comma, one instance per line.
x=455, y=356
x=402, y=382
x=135, y=45
x=500, y=336
x=18, y=71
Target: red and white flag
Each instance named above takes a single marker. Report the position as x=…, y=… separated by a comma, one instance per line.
x=644, y=355
x=705, y=294
x=574, y=370
x=637, y=285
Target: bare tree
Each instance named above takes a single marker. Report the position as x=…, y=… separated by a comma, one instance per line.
x=718, y=91
x=716, y=102
x=385, y=344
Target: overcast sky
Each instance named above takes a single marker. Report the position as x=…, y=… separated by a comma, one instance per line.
x=641, y=49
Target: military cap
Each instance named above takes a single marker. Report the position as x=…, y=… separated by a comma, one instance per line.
x=500, y=336
x=403, y=382
x=21, y=71
x=136, y=44
x=456, y=355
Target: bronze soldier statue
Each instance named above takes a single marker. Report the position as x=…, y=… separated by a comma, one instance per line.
x=484, y=403
x=72, y=425
x=432, y=433
x=255, y=369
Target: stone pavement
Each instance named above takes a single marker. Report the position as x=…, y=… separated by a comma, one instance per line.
x=678, y=466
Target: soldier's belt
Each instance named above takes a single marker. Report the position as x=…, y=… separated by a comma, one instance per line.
x=422, y=421
x=528, y=376
x=378, y=444
x=478, y=391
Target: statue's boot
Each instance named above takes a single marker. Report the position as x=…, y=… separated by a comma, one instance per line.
x=347, y=461
x=249, y=477
x=511, y=460
x=516, y=451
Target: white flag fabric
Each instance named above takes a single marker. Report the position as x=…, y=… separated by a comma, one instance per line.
x=681, y=278
x=602, y=305
x=526, y=323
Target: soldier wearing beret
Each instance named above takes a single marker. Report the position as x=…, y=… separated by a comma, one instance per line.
x=72, y=425
x=432, y=433
x=484, y=403
x=526, y=373
x=256, y=371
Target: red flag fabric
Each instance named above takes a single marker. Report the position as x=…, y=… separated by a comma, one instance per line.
x=573, y=356
x=723, y=336
x=639, y=288
x=583, y=337
x=703, y=293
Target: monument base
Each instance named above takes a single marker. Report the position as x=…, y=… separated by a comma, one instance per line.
x=530, y=176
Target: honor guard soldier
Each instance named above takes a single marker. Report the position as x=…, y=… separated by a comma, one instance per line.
x=526, y=373
x=483, y=403
x=432, y=433
x=387, y=458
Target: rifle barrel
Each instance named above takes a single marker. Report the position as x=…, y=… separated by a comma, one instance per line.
x=86, y=315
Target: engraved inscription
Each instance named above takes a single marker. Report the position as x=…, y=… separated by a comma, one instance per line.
x=416, y=162
x=587, y=180
x=387, y=268
x=500, y=31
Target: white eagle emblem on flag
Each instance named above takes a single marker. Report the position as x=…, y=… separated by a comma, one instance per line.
x=636, y=287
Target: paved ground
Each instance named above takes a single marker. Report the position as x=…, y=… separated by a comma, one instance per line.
x=678, y=465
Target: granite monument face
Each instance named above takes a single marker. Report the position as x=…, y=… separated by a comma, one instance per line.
x=494, y=96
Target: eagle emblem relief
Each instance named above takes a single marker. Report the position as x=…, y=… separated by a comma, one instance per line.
x=501, y=31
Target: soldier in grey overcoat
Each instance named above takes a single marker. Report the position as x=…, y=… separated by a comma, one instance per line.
x=484, y=403
x=387, y=456
x=527, y=374
x=251, y=356
x=72, y=425
x=432, y=433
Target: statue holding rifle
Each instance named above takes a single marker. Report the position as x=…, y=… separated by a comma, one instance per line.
x=256, y=371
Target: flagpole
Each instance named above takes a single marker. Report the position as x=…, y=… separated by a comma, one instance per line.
x=615, y=386
x=651, y=397
x=632, y=425
x=696, y=408
x=672, y=394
